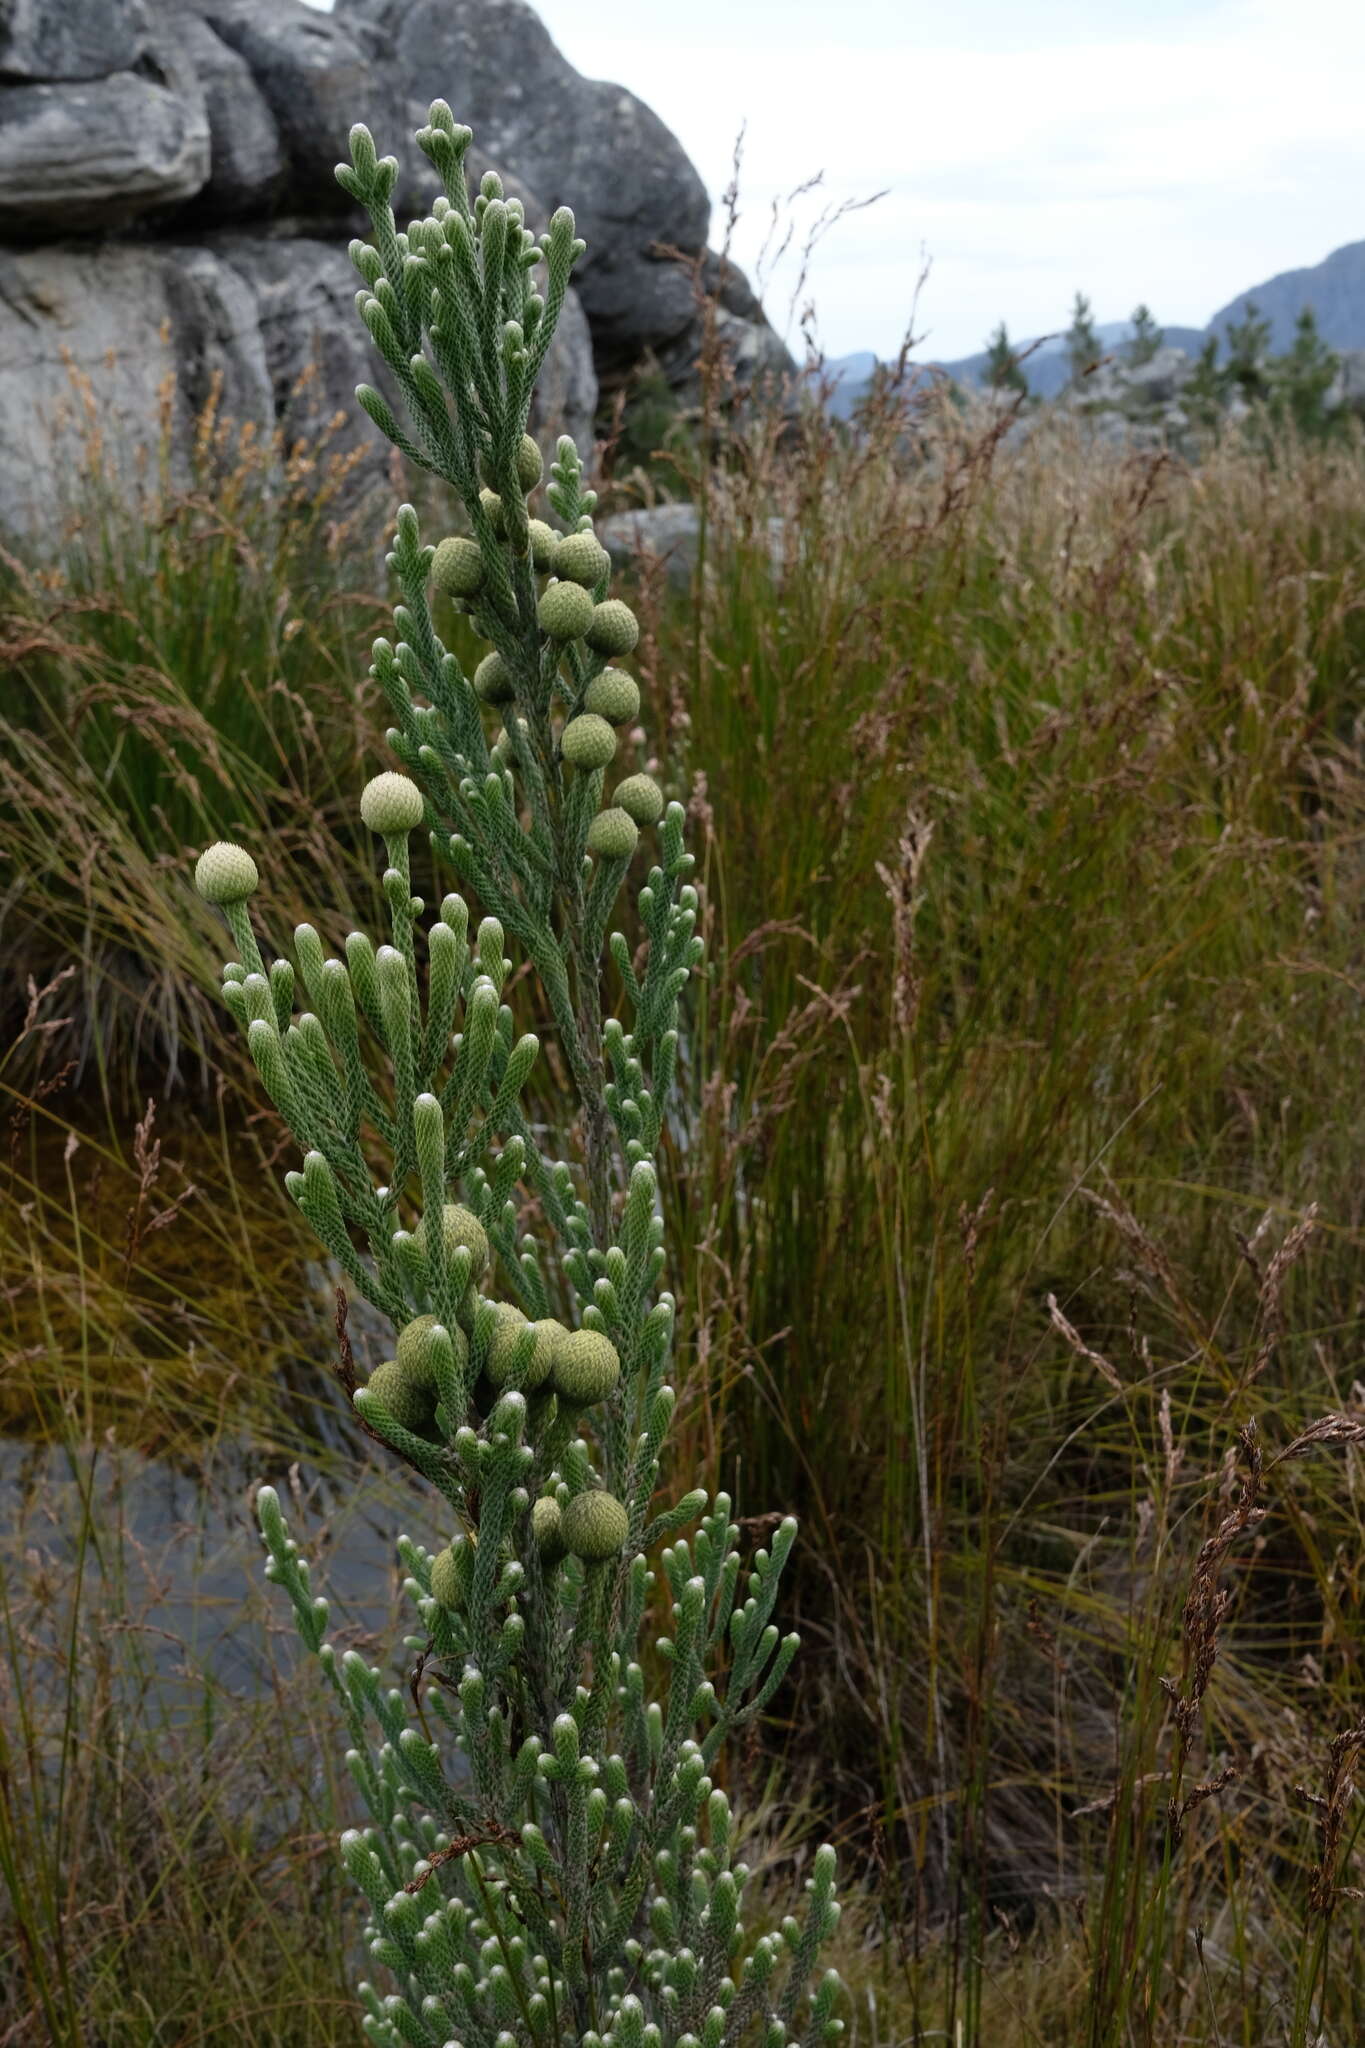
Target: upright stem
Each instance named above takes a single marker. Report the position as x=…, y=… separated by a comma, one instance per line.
x=596, y=1119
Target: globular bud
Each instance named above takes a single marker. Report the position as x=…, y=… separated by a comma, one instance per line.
x=459, y=1226
x=565, y=611
x=544, y=541
x=642, y=797
x=588, y=741
x=502, y=1350
x=547, y=1529
x=613, y=629
x=493, y=682
x=492, y=505
x=407, y=1391
x=581, y=558
x=594, y=1527
x=530, y=465
x=414, y=1345
x=613, y=833
x=391, y=804
x=225, y=873
x=586, y=1367
x=614, y=696
x=457, y=567
x=445, y=1578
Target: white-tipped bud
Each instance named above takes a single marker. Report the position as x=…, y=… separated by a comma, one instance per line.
x=225, y=873
x=391, y=804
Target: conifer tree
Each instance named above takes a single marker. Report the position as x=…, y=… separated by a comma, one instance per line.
x=1083, y=348
x=1145, y=339
x=1247, y=369
x=1004, y=371
x=1301, y=379
x=1205, y=394
x=549, y=1858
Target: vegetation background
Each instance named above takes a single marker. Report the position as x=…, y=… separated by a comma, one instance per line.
x=1015, y=1205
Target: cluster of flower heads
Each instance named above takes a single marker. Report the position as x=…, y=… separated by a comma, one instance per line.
x=572, y=608
x=562, y=1372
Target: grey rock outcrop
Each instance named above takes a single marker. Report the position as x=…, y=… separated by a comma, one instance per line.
x=247, y=161
x=168, y=207
x=671, y=535
x=316, y=78
x=83, y=356
x=40, y=42
x=640, y=205
x=94, y=339
x=100, y=151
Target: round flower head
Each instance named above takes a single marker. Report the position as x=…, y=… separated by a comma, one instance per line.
x=614, y=696
x=414, y=1344
x=594, y=1527
x=614, y=628
x=642, y=797
x=502, y=1350
x=581, y=558
x=588, y=741
x=225, y=873
x=391, y=804
x=530, y=465
x=493, y=680
x=459, y=1226
x=407, y=1392
x=543, y=542
x=565, y=611
x=457, y=567
x=613, y=832
x=586, y=1368
x=492, y=505
x=547, y=1530
x=445, y=1578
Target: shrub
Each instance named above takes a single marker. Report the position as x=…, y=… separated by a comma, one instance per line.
x=560, y=1862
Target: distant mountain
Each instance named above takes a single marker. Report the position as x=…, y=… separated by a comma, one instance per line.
x=848, y=378
x=1334, y=288
x=1047, y=368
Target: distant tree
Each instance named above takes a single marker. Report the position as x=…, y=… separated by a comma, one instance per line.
x=1145, y=339
x=1205, y=394
x=1301, y=379
x=1083, y=348
x=1247, y=369
x=1004, y=372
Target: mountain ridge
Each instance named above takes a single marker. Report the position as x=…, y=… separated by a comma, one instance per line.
x=1334, y=288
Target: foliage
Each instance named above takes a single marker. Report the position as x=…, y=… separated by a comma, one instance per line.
x=1004, y=371
x=1121, y=698
x=1145, y=339
x=1083, y=349
x=1246, y=370
x=1303, y=377
x=574, y=1876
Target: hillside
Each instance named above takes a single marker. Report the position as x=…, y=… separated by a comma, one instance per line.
x=1334, y=288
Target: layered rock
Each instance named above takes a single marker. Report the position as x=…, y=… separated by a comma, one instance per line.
x=639, y=202
x=168, y=205
x=113, y=338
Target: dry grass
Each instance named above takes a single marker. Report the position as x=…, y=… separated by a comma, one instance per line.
x=1015, y=1197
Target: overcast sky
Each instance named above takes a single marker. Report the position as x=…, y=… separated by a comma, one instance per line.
x=1169, y=150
